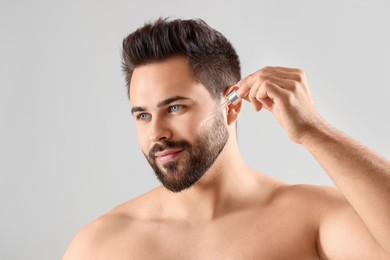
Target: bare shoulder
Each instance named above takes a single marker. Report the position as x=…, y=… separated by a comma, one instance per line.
x=112, y=231
x=310, y=203
x=341, y=231
x=89, y=239
x=283, y=190
x=324, y=195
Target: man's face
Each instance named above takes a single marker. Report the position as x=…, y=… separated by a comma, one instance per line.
x=169, y=105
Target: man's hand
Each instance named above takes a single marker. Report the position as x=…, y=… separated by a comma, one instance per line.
x=284, y=92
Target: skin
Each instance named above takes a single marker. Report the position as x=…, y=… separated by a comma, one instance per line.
x=235, y=212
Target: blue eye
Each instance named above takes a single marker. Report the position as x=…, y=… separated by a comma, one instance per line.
x=143, y=116
x=175, y=108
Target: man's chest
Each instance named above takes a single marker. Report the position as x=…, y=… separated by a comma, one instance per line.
x=234, y=237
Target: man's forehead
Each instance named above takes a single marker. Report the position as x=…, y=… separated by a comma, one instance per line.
x=160, y=92
x=155, y=82
x=166, y=76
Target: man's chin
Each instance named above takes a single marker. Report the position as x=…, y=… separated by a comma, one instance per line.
x=168, y=167
x=176, y=186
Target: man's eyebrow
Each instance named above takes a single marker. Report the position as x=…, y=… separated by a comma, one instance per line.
x=171, y=100
x=137, y=109
x=160, y=104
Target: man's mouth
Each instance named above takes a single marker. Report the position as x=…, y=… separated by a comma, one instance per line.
x=168, y=155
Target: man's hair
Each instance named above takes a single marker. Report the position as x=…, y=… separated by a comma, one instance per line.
x=212, y=58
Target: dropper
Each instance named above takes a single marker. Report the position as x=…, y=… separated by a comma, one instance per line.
x=231, y=98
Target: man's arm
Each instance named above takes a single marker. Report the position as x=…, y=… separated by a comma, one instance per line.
x=361, y=175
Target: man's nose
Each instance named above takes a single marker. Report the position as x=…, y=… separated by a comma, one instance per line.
x=159, y=130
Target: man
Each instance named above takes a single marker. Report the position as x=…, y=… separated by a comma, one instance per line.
x=211, y=204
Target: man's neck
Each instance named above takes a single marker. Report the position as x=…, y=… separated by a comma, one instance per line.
x=223, y=188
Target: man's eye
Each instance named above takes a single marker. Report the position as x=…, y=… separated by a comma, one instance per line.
x=143, y=116
x=175, y=108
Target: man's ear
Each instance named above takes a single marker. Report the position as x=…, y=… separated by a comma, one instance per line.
x=233, y=111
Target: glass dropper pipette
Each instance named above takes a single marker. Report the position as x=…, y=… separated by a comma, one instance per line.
x=231, y=98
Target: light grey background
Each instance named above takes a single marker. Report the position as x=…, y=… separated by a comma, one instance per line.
x=68, y=145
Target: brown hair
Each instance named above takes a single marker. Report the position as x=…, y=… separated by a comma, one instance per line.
x=211, y=56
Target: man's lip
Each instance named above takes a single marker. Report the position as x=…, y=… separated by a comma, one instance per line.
x=168, y=155
x=167, y=152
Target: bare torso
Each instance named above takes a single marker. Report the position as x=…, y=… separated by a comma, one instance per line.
x=282, y=225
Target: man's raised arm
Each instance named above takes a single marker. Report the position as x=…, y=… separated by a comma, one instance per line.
x=361, y=175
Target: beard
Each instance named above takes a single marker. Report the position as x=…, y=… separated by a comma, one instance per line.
x=195, y=159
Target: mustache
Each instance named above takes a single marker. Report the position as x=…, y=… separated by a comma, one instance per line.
x=168, y=144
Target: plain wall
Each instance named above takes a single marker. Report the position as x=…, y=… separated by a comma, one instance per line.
x=68, y=145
